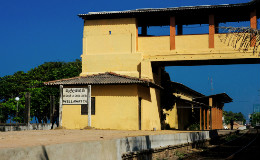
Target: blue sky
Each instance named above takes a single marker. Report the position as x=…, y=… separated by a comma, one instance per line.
x=33, y=32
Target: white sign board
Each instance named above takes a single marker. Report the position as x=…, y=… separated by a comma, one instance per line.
x=75, y=96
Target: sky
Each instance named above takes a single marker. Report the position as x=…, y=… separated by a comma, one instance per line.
x=36, y=31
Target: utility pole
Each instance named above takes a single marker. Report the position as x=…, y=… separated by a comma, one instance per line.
x=17, y=99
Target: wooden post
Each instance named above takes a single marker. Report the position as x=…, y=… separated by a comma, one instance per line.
x=51, y=114
x=253, y=25
x=60, y=105
x=208, y=120
x=211, y=30
x=172, y=33
x=210, y=104
x=89, y=105
x=200, y=119
x=27, y=108
x=221, y=113
x=52, y=108
x=204, y=119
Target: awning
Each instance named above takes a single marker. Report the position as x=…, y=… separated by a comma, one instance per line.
x=221, y=98
x=108, y=78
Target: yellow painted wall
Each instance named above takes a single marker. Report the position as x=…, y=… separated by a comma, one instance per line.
x=156, y=43
x=178, y=118
x=115, y=52
x=172, y=117
x=150, y=116
x=189, y=47
x=109, y=36
x=125, y=64
x=116, y=108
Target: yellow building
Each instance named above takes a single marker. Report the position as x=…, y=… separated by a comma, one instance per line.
x=118, y=102
x=117, y=44
x=192, y=109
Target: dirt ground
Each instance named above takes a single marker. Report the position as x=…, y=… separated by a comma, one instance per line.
x=15, y=139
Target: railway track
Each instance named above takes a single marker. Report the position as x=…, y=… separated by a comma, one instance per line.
x=246, y=146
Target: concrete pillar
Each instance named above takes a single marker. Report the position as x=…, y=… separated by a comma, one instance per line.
x=60, y=105
x=172, y=33
x=211, y=30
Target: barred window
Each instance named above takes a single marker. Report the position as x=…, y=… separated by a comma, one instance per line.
x=84, y=107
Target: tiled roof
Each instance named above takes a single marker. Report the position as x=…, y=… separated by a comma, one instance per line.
x=108, y=78
x=194, y=103
x=170, y=10
x=182, y=86
x=221, y=97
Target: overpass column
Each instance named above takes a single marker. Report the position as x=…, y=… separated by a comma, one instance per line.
x=253, y=25
x=211, y=30
x=172, y=33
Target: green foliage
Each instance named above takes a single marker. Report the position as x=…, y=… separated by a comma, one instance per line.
x=255, y=118
x=19, y=83
x=231, y=137
x=194, y=127
x=235, y=116
x=8, y=110
x=180, y=155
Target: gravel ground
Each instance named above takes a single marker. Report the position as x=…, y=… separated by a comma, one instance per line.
x=15, y=139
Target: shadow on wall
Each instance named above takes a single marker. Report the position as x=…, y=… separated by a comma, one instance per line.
x=45, y=154
x=138, y=143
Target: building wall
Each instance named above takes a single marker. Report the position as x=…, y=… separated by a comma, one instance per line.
x=150, y=108
x=179, y=117
x=116, y=107
x=172, y=117
x=190, y=47
x=110, y=46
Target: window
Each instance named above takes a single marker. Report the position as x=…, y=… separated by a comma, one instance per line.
x=84, y=107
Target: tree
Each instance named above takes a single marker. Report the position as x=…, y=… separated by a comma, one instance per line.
x=19, y=83
x=235, y=116
x=241, y=38
x=255, y=118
